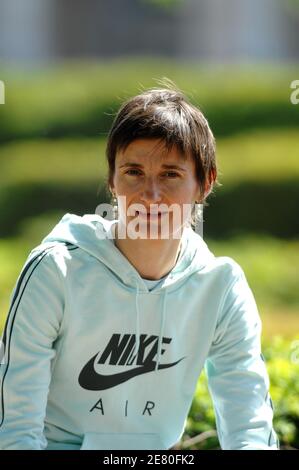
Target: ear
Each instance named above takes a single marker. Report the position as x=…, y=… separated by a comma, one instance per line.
x=111, y=186
x=199, y=197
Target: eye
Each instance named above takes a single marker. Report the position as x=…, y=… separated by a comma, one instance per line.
x=133, y=172
x=171, y=174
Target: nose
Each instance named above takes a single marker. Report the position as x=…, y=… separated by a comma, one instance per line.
x=151, y=193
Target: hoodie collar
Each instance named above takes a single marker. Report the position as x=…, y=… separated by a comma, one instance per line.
x=94, y=234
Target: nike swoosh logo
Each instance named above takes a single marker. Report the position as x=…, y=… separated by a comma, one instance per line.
x=91, y=380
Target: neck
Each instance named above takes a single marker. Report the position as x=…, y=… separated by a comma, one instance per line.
x=152, y=258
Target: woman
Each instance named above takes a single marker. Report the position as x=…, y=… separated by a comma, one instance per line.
x=112, y=321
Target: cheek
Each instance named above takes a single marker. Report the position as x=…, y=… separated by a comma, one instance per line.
x=123, y=186
x=185, y=193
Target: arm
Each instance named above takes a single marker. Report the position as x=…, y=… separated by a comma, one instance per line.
x=32, y=325
x=237, y=376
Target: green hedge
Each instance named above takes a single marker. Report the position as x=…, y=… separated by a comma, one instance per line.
x=259, y=172
x=250, y=207
x=260, y=207
x=80, y=99
x=21, y=201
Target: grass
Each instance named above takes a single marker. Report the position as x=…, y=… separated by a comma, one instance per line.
x=279, y=321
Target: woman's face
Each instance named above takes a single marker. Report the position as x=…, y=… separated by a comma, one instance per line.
x=152, y=184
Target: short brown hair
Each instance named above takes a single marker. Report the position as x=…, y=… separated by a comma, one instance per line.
x=167, y=114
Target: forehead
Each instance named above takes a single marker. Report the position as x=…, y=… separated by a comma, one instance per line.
x=152, y=151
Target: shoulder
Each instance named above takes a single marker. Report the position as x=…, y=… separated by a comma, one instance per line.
x=53, y=249
x=223, y=270
x=53, y=255
x=231, y=277
x=228, y=267
x=238, y=304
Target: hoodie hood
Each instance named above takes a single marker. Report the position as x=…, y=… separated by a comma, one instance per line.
x=93, y=234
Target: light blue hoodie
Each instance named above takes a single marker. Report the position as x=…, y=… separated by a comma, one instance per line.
x=93, y=359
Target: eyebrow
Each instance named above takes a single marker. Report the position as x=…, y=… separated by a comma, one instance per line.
x=168, y=166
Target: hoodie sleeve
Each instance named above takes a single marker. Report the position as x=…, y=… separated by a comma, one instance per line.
x=32, y=326
x=237, y=376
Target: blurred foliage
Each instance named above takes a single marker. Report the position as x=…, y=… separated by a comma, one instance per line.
x=271, y=266
x=52, y=161
x=293, y=3
x=259, y=172
x=81, y=98
x=261, y=156
x=254, y=206
x=255, y=156
x=167, y=5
